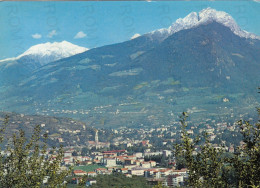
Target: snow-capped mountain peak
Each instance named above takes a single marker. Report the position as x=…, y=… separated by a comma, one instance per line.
x=204, y=16
x=47, y=52
x=184, y=23
x=209, y=14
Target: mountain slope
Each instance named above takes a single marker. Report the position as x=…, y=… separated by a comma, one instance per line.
x=208, y=70
x=209, y=52
x=71, y=131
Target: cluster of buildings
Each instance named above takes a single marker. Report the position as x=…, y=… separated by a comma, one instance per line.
x=137, y=164
x=120, y=161
x=164, y=137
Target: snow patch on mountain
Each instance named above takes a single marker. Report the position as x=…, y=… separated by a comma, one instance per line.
x=48, y=52
x=203, y=17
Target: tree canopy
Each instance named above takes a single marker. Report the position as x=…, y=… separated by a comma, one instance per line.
x=210, y=167
x=25, y=163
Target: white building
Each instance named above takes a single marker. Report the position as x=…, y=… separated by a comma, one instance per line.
x=139, y=155
x=153, y=153
x=109, y=162
x=174, y=180
x=68, y=154
x=167, y=153
x=136, y=171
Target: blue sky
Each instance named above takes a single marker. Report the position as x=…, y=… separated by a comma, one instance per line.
x=93, y=24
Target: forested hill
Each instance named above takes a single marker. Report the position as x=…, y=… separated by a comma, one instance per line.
x=71, y=131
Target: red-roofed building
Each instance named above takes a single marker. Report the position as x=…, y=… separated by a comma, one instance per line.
x=102, y=171
x=79, y=172
x=92, y=174
x=124, y=170
x=146, y=164
x=115, y=151
x=183, y=172
x=109, y=154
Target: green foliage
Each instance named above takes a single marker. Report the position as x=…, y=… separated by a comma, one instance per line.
x=24, y=163
x=159, y=185
x=84, y=151
x=211, y=167
x=120, y=181
x=161, y=159
x=88, y=168
x=247, y=158
x=204, y=168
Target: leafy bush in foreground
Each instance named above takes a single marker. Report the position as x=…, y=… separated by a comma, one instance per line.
x=24, y=163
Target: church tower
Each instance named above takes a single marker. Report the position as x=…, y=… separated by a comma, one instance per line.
x=96, y=137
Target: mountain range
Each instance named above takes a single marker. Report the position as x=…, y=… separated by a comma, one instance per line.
x=203, y=63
